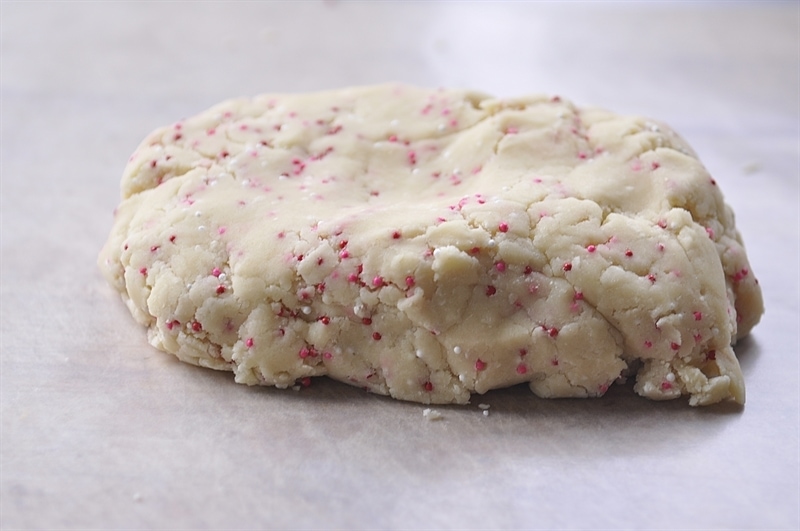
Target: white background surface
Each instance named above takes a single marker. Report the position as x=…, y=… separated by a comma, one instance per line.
x=101, y=431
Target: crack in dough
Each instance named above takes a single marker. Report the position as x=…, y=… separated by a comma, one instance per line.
x=431, y=244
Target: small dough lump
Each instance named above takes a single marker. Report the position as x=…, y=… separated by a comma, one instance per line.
x=431, y=244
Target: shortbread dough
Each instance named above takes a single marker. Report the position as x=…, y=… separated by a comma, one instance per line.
x=430, y=244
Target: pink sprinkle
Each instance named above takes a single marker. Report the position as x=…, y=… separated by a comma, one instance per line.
x=344, y=254
x=660, y=246
x=352, y=277
x=698, y=316
x=154, y=248
x=196, y=326
x=490, y=290
x=221, y=230
x=739, y=276
x=648, y=344
x=305, y=382
x=412, y=158
x=512, y=130
x=578, y=296
x=675, y=346
x=410, y=281
x=603, y=389
x=480, y=365
x=171, y=324
x=591, y=248
x=522, y=369
x=377, y=281
x=666, y=386
x=655, y=165
x=143, y=271
x=500, y=266
x=304, y=353
x=216, y=272
x=710, y=232
x=327, y=355
x=249, y=342
x=503, y=227
x=392, y=138
x=581, y=155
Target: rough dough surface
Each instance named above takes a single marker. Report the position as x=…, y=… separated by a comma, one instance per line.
x=430, y=244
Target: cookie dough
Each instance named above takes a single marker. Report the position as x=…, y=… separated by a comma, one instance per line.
x=431, y=244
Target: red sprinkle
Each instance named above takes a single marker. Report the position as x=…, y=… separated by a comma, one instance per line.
x=376, y=336
x=553, y=332
x=503, y=227
x=500, y=266
x=522, y=368
x=711, y=355
x=196, y=326
x=490, y=290
x=428, y=386
x=567, y=266
x=528, y=270
x=674, y=346
x=366, y=320
x=410, y=281
x=325, y=320
x=220, y=290
x=396, y=235
x=305, y=382
x=480, y=365
x=628, y=253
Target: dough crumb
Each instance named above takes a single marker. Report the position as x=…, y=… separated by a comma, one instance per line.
x=432, y=414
